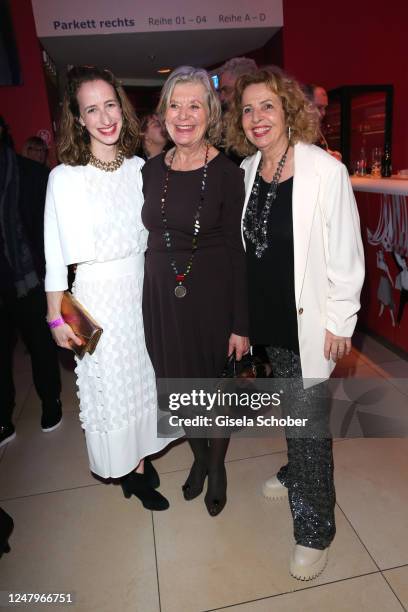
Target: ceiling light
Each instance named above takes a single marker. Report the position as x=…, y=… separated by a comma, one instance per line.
x=164, y=70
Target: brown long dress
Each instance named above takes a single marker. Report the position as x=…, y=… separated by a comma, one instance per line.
x=188, y=337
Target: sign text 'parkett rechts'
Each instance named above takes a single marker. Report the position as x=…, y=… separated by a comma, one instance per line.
x=61, y=18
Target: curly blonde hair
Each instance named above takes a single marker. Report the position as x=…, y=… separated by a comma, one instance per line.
x=188, y=74
x=300, y=114
x=73, y=139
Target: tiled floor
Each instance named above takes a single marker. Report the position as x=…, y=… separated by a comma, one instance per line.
x=73, y=533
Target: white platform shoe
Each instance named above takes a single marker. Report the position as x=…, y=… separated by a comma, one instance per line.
x=307, y=563
x=273, y=489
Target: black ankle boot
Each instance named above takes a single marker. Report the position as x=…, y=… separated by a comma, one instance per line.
x=137, y=484
x=151, y=474
x=195, y=481
x=216, y=496
x=6, y=527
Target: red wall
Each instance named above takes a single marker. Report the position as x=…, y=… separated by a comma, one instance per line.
x=333, y=43
x=25, y=107
x=352, y=42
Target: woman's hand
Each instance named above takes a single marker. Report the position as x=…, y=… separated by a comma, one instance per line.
x=336, y=347
x=239, y=344
x=63, y=334
x=65, y=337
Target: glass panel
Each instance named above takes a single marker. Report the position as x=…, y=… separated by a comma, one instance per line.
x=367, y=125
x=331, y=126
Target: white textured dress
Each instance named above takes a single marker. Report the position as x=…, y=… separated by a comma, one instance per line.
x=116, y=384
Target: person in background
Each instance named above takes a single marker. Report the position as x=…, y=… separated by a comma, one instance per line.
x=36, y=149
x=305, y=262
x=23, y=186
x=153, y=134
x=228, y=74
x=318, y=95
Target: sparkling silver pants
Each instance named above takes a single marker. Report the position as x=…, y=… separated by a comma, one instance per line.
x=308, y=475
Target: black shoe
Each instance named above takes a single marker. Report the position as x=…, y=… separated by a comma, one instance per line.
x=6, y=527
x=216, y=496
x=7, y=434
x=52, y=416
x=151, y=474
x=137, y=484
x=195, y=481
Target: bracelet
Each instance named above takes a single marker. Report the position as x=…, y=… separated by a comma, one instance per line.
x=56, y=323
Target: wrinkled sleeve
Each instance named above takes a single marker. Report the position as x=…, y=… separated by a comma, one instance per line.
x=345, y=266
x=56, y=276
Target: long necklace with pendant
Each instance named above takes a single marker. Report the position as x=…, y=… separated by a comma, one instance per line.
x=180, y=289
x=256, y=223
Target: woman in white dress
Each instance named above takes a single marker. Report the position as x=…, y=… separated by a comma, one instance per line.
x=92, y=219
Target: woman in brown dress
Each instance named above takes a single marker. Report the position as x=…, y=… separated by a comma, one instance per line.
x=194, y=299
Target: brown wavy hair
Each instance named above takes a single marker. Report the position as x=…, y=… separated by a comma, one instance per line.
x=73, y=138
x=300, y=114
x=189, y=74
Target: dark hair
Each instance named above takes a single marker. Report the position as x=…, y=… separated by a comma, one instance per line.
x=144, y=121
x=309, y=90
x=35, y=141
x=73, y=139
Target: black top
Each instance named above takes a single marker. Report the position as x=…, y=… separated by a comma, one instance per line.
x=33, y=178
x=188, y=337
x=271, y=282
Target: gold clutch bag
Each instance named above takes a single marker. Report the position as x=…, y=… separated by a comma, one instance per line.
x=83, y=325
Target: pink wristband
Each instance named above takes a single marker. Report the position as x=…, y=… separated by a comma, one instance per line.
x=56, y=323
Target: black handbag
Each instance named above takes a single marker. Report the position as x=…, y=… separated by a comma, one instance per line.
x=237, y=379
x=248, y=367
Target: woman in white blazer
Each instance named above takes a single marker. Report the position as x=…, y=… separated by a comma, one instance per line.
x=93, y=220
x=300, y=228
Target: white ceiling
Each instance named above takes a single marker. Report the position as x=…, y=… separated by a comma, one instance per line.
x=135, y=58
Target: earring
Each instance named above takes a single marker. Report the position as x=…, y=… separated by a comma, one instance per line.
x=84, y=134
x=289, y=132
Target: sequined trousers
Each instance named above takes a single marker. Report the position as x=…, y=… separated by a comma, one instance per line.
x=308, y=475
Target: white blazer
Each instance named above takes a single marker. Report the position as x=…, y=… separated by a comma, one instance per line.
x=68, y=219
x=328, y=253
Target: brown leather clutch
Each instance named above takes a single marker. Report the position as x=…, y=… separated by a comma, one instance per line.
x=82, y=324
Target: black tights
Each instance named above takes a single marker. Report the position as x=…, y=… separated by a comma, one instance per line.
x=209, y=452
x=209, y=457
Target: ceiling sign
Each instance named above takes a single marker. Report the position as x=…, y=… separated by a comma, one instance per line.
x=76, y=18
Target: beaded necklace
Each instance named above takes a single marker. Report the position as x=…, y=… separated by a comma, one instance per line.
x=107, y=166
x=256, y=224
x=180, y=289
